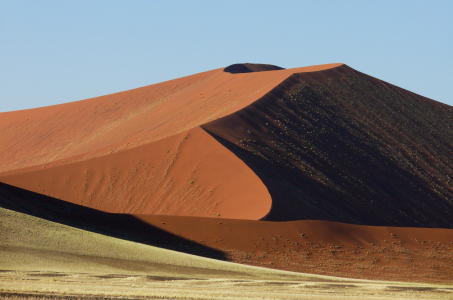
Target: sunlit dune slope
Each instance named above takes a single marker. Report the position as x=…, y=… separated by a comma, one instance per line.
x=102, y=125
x=342, y=146
x=188, y=174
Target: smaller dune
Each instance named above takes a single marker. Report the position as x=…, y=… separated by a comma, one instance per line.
x=248, y=68
x=325, y=248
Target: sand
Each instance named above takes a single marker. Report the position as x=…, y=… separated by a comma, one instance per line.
x=188, y=174
x=325, y=248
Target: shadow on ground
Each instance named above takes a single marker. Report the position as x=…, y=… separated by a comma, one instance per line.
x=122, y=226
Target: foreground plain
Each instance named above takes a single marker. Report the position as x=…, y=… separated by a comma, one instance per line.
x=43, y=259
x=113, y=286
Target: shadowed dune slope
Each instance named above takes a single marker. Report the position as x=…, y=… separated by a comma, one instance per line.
x=122, y=226
x=187, y=174
x=103, y=125
x=339, y=145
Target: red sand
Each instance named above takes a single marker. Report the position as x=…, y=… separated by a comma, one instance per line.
x=321, y=247
x=187, y=174
x=143, y=152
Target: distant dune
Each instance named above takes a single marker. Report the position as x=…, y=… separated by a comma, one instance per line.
x=225, y=158
x=247, y=68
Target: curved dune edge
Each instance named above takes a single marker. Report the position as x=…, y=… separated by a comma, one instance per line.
x=106, y=124
x=188, y=174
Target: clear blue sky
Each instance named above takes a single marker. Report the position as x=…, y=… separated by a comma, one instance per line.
x=60, y=51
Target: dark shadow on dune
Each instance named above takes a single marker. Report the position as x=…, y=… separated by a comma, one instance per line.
x=121, y=226
x=297, y=196
x=248, y=68
x=338, y=145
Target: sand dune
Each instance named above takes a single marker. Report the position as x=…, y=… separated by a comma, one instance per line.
x=248, y=68
x=30, y=244
x=317, y=247
x=188, y=174
x=163, y=175
x=192, y=164
x=323, y=142
x=322, y=247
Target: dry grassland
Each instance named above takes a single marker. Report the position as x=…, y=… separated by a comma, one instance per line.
x=45, y=260
x=46, y=285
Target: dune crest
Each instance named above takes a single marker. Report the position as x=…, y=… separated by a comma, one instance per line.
x=99, y=126
x=142, y=151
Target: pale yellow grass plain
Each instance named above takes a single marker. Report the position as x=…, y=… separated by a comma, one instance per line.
x=44, y=259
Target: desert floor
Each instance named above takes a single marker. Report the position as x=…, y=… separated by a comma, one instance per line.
x=45, y=260
x=48, y=285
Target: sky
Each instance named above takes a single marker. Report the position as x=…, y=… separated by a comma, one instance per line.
x=55, y=52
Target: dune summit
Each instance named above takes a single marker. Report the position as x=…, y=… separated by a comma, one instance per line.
x=247, y=147
x=247, y=68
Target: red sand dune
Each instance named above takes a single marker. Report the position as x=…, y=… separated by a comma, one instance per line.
x=188, y=174
x=192, y=154
x=110, y=153
x=321, y=247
